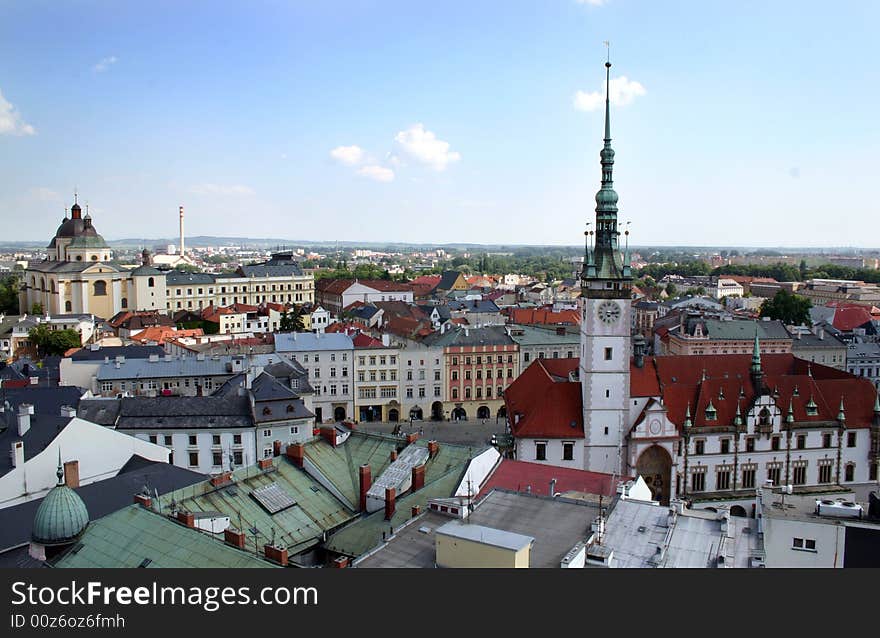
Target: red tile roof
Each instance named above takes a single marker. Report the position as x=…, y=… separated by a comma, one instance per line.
x=366, y=341
x=532, y=316
x=543, y=403
x=849, y=316
x=518, y=475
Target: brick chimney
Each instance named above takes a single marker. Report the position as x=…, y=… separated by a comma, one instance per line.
x=276, y=554
x=389, y=502
x=296, y=452
x=221, y=479
x=412, y=438
x=264, y=464
x=433, y=448
x=418, y=478
x=328, y=433
x=234, y=537
x=71, y=474
x=340, y=563
x=187, y=518
x=416, y=510
x=143, y=500
x=393, y=455
x=366, y=480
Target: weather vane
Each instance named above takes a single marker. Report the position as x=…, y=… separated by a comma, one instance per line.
x=607, y=44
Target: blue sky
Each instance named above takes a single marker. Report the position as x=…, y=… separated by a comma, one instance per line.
x=737, y=123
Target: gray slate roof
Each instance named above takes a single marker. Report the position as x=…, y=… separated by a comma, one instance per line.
x=188, y=366
x=129, y=352
x=309, y=342
x=177, y=278
x=474, y=307
x=140, y=413
x=457, y=336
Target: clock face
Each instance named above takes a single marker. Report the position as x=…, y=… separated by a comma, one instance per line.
x=609, y=312
x=655, y=427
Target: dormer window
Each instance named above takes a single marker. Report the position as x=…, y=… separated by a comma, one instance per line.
x=711, y=412
x=812, y=408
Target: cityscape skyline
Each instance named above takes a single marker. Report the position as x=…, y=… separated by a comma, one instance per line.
x=355, y=117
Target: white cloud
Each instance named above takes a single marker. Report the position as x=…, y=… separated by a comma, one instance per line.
x=348, y=155
x=105, y=64
x=623, y=92
x=11, y=122
x=594, y=3
x=44, y=194
x=378, y=173
x=221, y=189
x=424, y=147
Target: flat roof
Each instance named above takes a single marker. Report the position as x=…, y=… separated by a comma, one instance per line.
x=485, y=535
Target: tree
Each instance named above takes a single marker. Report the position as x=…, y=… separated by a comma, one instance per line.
x=291, y=321
x=37, y=309
x=53, y=342
x=671, y=289
x=9, y=286
x=789, y=308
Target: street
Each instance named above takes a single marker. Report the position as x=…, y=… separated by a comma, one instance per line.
x=469, y=432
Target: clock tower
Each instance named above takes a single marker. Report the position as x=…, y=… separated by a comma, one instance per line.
x=606, y=281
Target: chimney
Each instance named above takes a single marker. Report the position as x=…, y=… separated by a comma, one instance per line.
x=433, y=449
x=295, y=452
x=232, y=536
x=18, y=454
x=221, y=479
x=340, y=563
x=552, y=487
x=71, y=474
x=264, y=464
x=143, y=500
x=416, y=510
x=328, y=433
x=389, y=502
x=366, y=481
x=182, y=246
x=25, y=411
x=68, y=412
x=412, y=438
x=418, y=478
x=276, y=554
x=393, y=455
x=187, y=518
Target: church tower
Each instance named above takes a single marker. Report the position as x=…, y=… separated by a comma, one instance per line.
x=606, y=281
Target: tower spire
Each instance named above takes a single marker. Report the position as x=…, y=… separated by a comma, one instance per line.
x=756, y=354
x=60, y=471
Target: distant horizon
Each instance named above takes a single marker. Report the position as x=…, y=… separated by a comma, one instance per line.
x=430, y=122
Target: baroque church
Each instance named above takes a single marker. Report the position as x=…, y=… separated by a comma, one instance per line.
x=709, y=429
x=80, y=277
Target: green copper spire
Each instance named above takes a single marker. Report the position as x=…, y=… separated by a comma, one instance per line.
x=756, y=353
x=840, y=415
x=790, y=416
x=60, y=472
x=687, y=417
x=877, y=403
x=737, y=420
x=606, y=198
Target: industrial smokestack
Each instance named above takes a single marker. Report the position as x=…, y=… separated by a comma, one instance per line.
x=182, y=246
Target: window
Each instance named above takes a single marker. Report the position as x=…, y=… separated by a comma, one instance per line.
x=801, y=441
x=849, y=472
x=527, y=356
x=748, y=476
x=168, y=440
x=804, y=544
x=151, y=283
x=215, y=439
x=238, y=457
x=774, y=443
x=540, y=355
x=872, y=471
x=699, y=446
x=236, y=439
x=725, y=446
x=454, y=376
x=193, y=459
x=454, y=393
x=722, y=478
x=774, y=471
x=467, y=360
x=850, y=439
x=467, y=393
x=422, y=393
x=294, y=429
x=267, y=432
x=609, y=353
x=100, y=288
x=826, y=440
x=698, y=480
x=153, y=438
x=799, y=473
x=750, y=444
x=455, y=361
x=436, y=375
x=540, y=450
x=824, y=472
x=332, y=372
x=192, y=439
x=409, y=393
x=217, y=459
x=567, y=452
x=467, y=375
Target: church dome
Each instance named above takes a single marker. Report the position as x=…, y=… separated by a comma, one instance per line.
x=606, y=197
x=61, y=517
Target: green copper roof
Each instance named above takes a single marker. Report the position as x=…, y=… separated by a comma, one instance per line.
x=133, y=536
x=756, y=353
x=62, y=516
x=86, y=241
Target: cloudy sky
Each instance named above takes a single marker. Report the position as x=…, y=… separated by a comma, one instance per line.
x=735, y=123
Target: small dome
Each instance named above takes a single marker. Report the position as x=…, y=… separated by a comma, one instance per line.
x=606, y=197
x=61, y=517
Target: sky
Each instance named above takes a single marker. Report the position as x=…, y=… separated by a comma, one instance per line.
x=734, y=123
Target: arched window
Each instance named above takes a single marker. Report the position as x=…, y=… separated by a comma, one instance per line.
x=68, y=307
x=850, y=472
x=151, y=282
x=124, y=302
x=479, y=393
x=290, y=408
x=100, y=288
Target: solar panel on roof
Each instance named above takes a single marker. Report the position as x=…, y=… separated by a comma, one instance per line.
x=272, y=498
